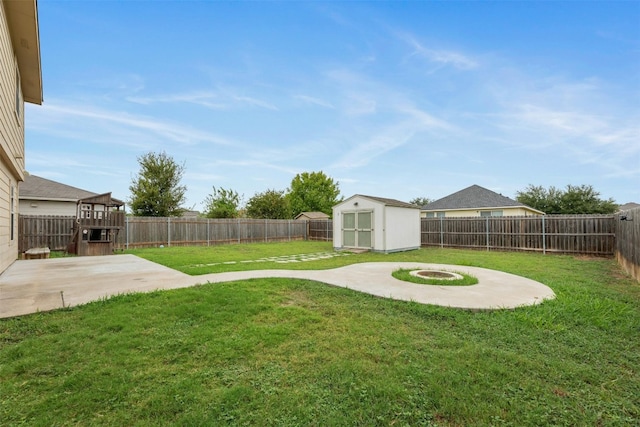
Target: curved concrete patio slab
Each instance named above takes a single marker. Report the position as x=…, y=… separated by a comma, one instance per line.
x=42, y=285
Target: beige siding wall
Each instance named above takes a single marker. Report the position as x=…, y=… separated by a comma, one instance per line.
x=402, y=229
x=8, y=231
x=46, y=207
x=476, y=212
x=11, y=144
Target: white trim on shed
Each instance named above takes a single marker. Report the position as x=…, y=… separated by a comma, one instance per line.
x=377, y=224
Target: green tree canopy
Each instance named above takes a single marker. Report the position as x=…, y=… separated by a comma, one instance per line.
x=538, y=197
x=575, y=199
x=156, y=190
x=420, y=201
x=270, y=204
x=222, y=203
x=313, y=192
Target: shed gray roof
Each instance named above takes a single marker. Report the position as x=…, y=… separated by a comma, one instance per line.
x=473, y=197
x=313, y=215
x=37, y=188
x=390, y=202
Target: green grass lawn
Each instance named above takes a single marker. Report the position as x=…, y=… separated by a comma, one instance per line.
x=285, y=352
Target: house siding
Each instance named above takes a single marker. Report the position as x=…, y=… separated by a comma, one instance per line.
x=11, y=144
x=506, y=211
x=47, y=207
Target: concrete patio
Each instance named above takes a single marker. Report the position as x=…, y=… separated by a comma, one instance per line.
x=29, y=286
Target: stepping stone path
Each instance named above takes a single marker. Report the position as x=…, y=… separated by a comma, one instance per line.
x=284, y=259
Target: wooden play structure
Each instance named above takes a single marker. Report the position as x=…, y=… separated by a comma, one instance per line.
x=99, y=219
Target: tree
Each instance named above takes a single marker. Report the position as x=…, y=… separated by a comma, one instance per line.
x=270, y=204
x=221, y=203
x=582, y=199
x=420, y=201
x=156, y=190
x=537, y=197
x=313, y=192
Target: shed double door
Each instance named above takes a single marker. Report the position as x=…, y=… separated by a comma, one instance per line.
x=357, y=229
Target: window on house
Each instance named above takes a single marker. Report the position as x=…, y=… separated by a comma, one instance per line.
x=490, y=213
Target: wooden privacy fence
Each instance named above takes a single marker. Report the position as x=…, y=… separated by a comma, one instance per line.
x=54, y=232
x=320, y=229
x=628, y=241
x=143, y=232
x=574, y=234
x=579, y=234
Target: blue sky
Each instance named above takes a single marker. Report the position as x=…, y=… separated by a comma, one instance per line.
x=397, y=99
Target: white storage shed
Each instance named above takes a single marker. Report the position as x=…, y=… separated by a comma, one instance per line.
x=376, y=223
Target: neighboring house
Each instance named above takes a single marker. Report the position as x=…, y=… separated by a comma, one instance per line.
x=376, y=223
x=311, y=215
x=20, y=82
x=628, y=206
x=189, y=214
x=476, y=201
x=41, y=196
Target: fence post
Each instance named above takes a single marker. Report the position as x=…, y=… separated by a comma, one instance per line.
x=441, y=233
x=544, y=237
x=126, y=230
x=238, y=230
x=169, y=231
x=487, y=228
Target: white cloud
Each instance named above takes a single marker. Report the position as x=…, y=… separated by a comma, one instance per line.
x=440, y=57
x=314, y=101
x=359, y=104
x=53, y=115
x=255, y=102
x=205, y=99
x=223, y=100
x=255, y=164
x=379, y=142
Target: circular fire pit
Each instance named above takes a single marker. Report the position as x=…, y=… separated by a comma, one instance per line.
x=436, y=274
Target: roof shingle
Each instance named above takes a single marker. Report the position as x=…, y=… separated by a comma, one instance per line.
x=390, y=202
x=470, y=198
x=35, y=187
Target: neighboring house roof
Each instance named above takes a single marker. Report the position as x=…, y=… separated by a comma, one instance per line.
x=37, y=188
x=474, y=197
x=628, y=206
x=312, y=215
x=190, y=214
x=386, y=202
x=22, y=19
